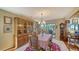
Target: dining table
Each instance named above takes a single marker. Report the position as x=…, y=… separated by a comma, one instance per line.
x=44, y=40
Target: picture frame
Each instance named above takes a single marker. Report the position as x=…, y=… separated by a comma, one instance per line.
x=7, y=28
x=7, y=20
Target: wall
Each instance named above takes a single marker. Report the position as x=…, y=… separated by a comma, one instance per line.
x=7, y=39
x=57, y=22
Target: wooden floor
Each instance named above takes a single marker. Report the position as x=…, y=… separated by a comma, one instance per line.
x=71, y=47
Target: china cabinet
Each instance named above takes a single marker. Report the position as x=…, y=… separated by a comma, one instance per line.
x=22, y=29
x=73, y=30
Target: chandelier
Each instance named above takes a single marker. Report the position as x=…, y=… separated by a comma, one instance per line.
x=42, y=19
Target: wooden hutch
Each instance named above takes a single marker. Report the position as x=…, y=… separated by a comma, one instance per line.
x=72, y=31
x=22, y=28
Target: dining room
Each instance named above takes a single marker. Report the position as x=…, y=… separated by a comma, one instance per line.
x=39, y=28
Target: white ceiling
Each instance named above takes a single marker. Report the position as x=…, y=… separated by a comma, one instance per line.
x=49, y=13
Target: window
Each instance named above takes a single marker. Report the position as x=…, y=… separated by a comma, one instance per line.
x=50, y=28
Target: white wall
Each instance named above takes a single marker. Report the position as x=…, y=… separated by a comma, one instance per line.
x=6, y=39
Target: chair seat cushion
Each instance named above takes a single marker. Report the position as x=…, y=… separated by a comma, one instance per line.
x=54, y=47
x=28, y=49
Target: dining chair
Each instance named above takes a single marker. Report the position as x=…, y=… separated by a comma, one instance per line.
x=34, y=41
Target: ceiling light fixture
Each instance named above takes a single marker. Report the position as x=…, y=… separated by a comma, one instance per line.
x=42, y=19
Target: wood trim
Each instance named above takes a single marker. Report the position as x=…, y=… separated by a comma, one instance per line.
x=75, y=14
